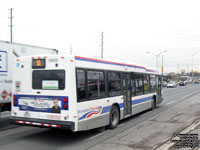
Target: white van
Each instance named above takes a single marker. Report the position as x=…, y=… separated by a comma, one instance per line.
x=8, y=52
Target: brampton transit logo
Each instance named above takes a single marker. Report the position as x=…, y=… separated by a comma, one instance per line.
x=89, y=112
x=3, y=61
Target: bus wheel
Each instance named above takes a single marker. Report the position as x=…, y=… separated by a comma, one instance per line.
x=153, y=104
x=114, y=117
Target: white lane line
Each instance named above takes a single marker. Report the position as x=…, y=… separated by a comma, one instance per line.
x=190, y=94
x=165, y=94
x=170, y=102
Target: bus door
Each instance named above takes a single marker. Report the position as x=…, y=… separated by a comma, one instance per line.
x=159, y=88
x=126, y=93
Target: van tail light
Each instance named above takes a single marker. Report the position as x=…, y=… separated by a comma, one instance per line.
x=14, y=100
x=15, y=103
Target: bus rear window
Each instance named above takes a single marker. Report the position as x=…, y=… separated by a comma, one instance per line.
x=48, y=79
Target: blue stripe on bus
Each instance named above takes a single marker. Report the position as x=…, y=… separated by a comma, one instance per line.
x=106, y=109
x=137, y=101
x=112, y=63
x=121, y=105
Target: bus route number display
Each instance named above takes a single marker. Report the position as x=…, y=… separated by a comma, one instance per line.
x=38, y=63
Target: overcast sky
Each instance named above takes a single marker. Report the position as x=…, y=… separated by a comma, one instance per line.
x=131, y=28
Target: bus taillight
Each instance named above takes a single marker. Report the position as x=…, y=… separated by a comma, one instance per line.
x=65, y=100
x=64, y=106
x=65, y=103
x=15, y=97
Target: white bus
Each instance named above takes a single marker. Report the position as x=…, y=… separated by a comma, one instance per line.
x=79, y=93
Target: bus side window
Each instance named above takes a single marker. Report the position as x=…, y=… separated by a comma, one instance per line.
x=153, y=83
x=133, y=84
x=81, y=86
x=146, y=84
x=96, y=84
x=114, y=83
x=139, y=84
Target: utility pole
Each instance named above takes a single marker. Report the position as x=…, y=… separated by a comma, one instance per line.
x=11, y=25
x=102, y=45
x=188, y=69
x=70, y=49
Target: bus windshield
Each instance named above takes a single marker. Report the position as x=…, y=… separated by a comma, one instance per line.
x=48, y=79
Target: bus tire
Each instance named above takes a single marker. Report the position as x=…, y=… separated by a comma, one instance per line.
x=114, y=117
x=153, y=103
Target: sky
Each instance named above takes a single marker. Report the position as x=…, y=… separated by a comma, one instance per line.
x=131, y=29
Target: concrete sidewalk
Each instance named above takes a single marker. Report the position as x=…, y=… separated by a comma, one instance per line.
x=155, y=131
x=194, y=131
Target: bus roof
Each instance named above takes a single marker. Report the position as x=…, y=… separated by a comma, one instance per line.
x=115, y=63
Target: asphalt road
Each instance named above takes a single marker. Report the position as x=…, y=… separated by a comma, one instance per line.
x=33, y=138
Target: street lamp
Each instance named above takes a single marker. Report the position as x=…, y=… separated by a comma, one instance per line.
x=192, y=64
x=157, y=55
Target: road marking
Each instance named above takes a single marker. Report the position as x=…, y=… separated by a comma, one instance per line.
x=190, y=94
x=170, y=102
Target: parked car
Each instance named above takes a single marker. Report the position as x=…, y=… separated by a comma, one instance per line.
x=164, y=83
x=182, y=83
x=171, y=84
x=196, y=82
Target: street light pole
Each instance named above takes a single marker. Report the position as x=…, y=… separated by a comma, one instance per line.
x=157, y=55
x=157, y=61
x=192, y=65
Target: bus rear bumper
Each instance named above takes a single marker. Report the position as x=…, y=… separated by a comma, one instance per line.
x=69, y=125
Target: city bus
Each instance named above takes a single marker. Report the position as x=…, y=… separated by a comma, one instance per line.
x=80, y=93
